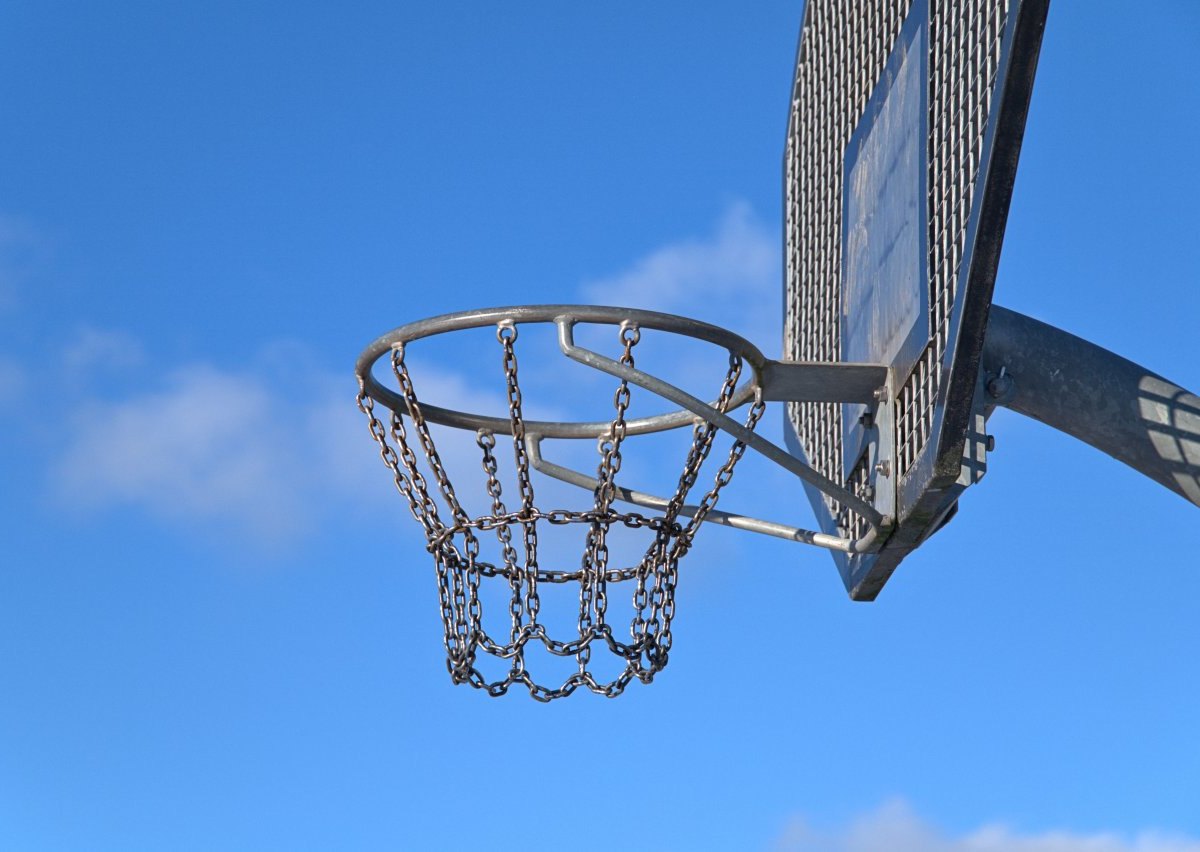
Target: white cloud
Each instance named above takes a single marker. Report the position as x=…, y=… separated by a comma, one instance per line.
x=269, y=450
x=731, y=279
x=91, y=350
x=896, y=828
x=13, y=381
x=22, y=254
x=210, y=445
x=265, y=455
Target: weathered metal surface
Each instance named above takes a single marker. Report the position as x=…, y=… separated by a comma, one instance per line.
x=855, y=268
x=1119, y=407
x=884, y=311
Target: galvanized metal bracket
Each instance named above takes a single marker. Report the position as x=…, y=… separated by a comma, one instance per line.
x=878, y=524
x=1119, y=407
x=810, y=381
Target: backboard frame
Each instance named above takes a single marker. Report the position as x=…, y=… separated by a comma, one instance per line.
x=923, y=486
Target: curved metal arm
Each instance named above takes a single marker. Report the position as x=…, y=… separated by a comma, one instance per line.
x=723, y=422
x=1077, y=387
x=867, y=544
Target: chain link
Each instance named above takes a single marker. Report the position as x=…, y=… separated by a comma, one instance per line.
x=455, y=545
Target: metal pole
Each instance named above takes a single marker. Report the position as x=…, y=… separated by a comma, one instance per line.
x=1077, y=387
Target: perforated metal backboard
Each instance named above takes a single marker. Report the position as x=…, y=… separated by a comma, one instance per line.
x=905, y=128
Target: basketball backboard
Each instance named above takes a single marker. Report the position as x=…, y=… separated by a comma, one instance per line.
x=905, y=128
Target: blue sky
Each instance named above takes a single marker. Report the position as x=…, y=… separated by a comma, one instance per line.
x=217, y=629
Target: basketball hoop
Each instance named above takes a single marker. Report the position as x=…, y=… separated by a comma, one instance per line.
x=453, y=536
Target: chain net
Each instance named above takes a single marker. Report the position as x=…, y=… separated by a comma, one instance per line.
x=453, y=539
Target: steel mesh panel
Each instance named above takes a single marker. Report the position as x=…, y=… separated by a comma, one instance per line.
x=843, y=50
x=850, y=523
x=963, y=63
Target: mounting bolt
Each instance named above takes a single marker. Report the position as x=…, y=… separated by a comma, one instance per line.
x=990, y=442
x=868, y=493
x=1000, y=386
x=883, y=467
x=881, y=394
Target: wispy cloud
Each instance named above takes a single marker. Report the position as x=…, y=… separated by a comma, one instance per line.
x=22, y=254
x=264, y=455
x=208, y=446
x=93, y=350
x=13, y=381
x=731, y=278
x=270, y=450
x=896, y=828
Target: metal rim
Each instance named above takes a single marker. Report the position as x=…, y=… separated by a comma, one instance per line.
x=735, y=344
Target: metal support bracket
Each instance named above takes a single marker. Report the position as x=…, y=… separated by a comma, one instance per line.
x=865, y=544
x=863, y=380
x=806, y=381
x=722, y=421
x=1136, y=416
